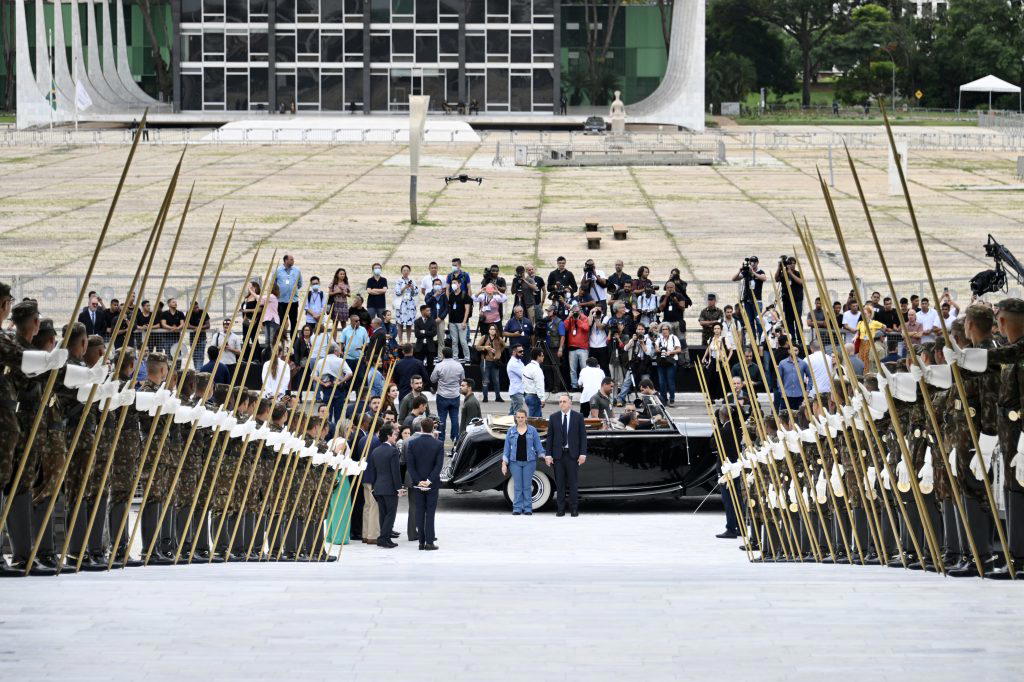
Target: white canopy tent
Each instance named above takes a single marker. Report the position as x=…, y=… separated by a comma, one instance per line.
x=988, y=84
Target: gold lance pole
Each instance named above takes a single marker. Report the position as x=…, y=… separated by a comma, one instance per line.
x=872, y=439
x=147, y=258
x=245, y=445
x=52, y=379
x=724, y=459
x=249, y=345
x=209, y=386
x=360, y=399
x=957, y=377
x=787, y=539
x=74, y=442
x=323, y=472
x=300, y=425
x=762, y=429
x=926, y=521
x=366, y=451
x=207, y=393
x=922, y=384
x=833, y=451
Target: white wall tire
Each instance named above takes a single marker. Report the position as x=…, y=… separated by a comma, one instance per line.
x=542, y=490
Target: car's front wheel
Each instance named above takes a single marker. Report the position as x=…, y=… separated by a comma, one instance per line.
x=541, y=490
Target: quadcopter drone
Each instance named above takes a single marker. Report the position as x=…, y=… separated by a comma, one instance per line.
x=463, y=178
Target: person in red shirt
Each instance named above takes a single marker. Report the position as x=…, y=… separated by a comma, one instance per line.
x=577, y=337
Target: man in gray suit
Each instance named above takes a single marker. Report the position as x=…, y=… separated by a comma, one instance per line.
x=387, y=482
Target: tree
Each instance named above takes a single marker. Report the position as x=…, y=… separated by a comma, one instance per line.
x=8, y=46
x=733, y=27
x=163, y=77
x=728, y=78
x=809, y=23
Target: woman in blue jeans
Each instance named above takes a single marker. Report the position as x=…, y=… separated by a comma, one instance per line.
x=666, y=353
x=522, y=448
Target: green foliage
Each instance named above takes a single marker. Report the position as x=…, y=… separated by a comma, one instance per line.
x=733, y=27
x=728, y=78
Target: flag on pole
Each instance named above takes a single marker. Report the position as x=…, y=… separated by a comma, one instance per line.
x=82, y=99
x=52, y=96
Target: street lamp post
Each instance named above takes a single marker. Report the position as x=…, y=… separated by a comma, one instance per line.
x=892, y=60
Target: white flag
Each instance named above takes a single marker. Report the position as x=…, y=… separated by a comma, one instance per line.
x=82, y=99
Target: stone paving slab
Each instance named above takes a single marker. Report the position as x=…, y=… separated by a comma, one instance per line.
x=627, y=590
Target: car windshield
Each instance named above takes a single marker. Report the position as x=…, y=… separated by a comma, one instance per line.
x=595, y=121
x=650, y=407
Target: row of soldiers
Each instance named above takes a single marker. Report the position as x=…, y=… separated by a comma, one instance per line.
x=830, y=482
x=226, y=480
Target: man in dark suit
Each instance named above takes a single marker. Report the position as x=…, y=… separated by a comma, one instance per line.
x=566, y=445
x=386, y=475
x=361, y=450
x=425, y=329
x=93, y=317
x=424, y=457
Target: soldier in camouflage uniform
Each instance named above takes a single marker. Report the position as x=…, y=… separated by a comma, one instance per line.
x=189, y=481
x=264, y=461
x=127, y=452
x=982, y=389
x=156, y=374
x=26, y=393
x=1008, y=361
x=229, y=478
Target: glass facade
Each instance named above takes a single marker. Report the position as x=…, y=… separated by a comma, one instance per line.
x=356, y=55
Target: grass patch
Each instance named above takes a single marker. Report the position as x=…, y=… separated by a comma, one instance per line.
x=15, y=159
x=832, y=120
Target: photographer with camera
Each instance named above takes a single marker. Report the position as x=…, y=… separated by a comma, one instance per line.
x=645, y=311
x=672, y=306
x=577, y=335
x=526, y=291
x=639, y=350
x=619, y=280
x=787, y=271
x=753, y=279
x=593, y=294
x=562, y=278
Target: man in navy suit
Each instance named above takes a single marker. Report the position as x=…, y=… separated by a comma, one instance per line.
x=424, y=457
x=386, y=475
x=362, y=449
x=566, y=445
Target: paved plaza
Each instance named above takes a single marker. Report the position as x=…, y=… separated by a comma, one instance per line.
x=627, y=591
x=347, y=205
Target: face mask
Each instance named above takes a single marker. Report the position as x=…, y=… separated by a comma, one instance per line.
x=315, y=287
x=455, y=268
x=376, y=271
x=437, y=288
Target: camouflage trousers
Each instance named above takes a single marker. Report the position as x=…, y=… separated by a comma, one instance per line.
x=77, y=471
x=223, y=485
x=10, y=436
x=1009, y=433
x=263, y=465
x=46, y=461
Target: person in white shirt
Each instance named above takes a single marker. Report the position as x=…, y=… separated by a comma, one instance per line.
x=427, y=282
x=315, y=302
x=930, y=321
x=320, y=345
x=822, y=367
x=233, y=349
x=533, y=384
x=646, y=307
x=851, y=318
x=590, y=381
x=332, y=371
x=731, y=328
x=949, y=308
x=277, y=375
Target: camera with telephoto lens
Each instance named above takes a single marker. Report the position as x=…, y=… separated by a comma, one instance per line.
x=747, y=269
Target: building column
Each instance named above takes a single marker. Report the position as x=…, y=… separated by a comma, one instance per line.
x=271, y=55
x=175, y=56
x=463, y=89
x=366, y=57
x=556, y=51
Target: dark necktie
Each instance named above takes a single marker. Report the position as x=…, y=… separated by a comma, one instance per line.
x=565, y=431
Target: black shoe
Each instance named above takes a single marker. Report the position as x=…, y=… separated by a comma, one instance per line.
x=575, y=514
x=528, y=513
x=37, y=568
x=52, y=561
x=413, y=539
x=498, y=400
x=158, y=558
x=1000, y=570
x=233, y=557
x=485, y=399
x=330, y=558
x=422, y=546
x=356, y=538
x=9, y=571
x=728, y=535
x=872, y=560
x=95, y=563
x=967, y=569
x=896, y=562
x=515, y=513
x=395, y=534
x=204, y=555
x=430, y=546
x=561, y=513
x=386, y=544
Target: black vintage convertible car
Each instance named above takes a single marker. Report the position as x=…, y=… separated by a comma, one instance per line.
x=660, y=458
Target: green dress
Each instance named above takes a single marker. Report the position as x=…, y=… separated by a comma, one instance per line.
x=340, y=512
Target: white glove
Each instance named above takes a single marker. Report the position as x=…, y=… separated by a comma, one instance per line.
x=952, y=462
x=902, y=477
x=886, y=481
x=836, y=480
x=246, y=428
x=183, y=414
x=927, y=473
x=821, y=488
x=850, y=410
x=35, y=362
x=835, y=424
x=125, y=398
x=904, y=387
x=869, y=483
x=917, y=370
x=971, y=359
x=1018, y=466
x=809, y=435
x=170, y=406
x=793, y=441
x=773, y=497
x=987, y=444
x=306, y=453
x=778, y=451
x=858, y=402
x=877, y=404
x=76, y=376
